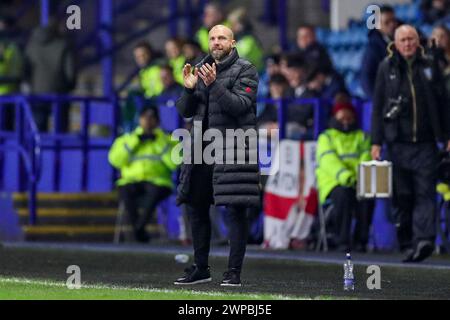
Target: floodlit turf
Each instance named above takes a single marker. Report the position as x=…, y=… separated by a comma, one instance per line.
x=24, y=289
x=41, y=273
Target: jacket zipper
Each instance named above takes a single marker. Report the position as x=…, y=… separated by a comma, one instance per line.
x=413, y=93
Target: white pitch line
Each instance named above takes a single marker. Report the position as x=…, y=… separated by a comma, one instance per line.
x=148, y=290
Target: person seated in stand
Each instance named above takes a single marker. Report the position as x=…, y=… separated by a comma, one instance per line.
x=278, y=89
x=439, y=51
x=340, y=149
x=144, y=158
x=247, y=43
x=149, y=84
x=175, y=58
x=171, y=89
x=192, y=52
x=325, y=83
x=213, y=14
x=300, y=115
x=434, y=10
x=272, y=67
x=311, y=49
x=149, y=64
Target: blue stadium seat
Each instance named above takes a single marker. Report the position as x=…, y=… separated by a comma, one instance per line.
x=322, y=35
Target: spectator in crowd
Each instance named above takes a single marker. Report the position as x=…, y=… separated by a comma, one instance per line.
x=51, y=70
x=295, y=69
x=440, y=51
x=171, y=88
x=214, y=14
x=272, y=67
x=247, y=44
x=301, y=116
x=150, y=84
x=145, y=163
x=326, y=83
x=278, y=89
x=175, y=57
x=434, y=10
x=11, y=69
x=192, y=52
x=150, y=67
x=311, y=50
x=283, y=63
x=376, y=49
x=409, y=115
x=340, y=149
x=11, y=60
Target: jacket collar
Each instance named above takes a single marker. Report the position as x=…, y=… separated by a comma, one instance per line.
x=139, y=131
x=336, y=125
x=224, y=64
x=396, y=58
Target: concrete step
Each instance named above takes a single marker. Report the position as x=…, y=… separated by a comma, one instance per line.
x=67, y=201
x=74, y=217
x=81, y=233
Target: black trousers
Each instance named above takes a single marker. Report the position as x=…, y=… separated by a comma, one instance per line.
x=345, y=206
x=414, y=201
x=198, y=210
x=145, y=195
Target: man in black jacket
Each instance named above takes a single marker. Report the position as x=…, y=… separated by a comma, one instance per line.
x=376, y=49
x=220, y=94
x=410, y=116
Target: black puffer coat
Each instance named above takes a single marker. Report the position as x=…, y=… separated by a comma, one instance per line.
x=228, y=103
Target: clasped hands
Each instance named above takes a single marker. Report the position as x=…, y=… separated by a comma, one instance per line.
x=206, y=72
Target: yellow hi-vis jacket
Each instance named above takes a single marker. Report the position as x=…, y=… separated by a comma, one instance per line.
x=150, y=160
x=338, y=155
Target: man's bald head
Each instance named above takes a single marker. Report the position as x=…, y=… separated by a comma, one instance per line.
x=406, y=29
x=221, y=42
x=407, y=41
x=220, y=28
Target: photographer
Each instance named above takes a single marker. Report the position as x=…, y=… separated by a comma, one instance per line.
x=409, y=116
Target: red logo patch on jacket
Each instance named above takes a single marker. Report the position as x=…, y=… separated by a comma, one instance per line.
x=248, y=90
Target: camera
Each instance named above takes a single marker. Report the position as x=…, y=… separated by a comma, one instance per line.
x=395, y=107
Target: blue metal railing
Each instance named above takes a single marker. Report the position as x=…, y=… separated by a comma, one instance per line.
x=82, y=139
x=27, y=145
x=29, y=142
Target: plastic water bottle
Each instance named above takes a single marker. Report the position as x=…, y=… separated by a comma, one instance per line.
x=349, y=279
x=182, y=258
